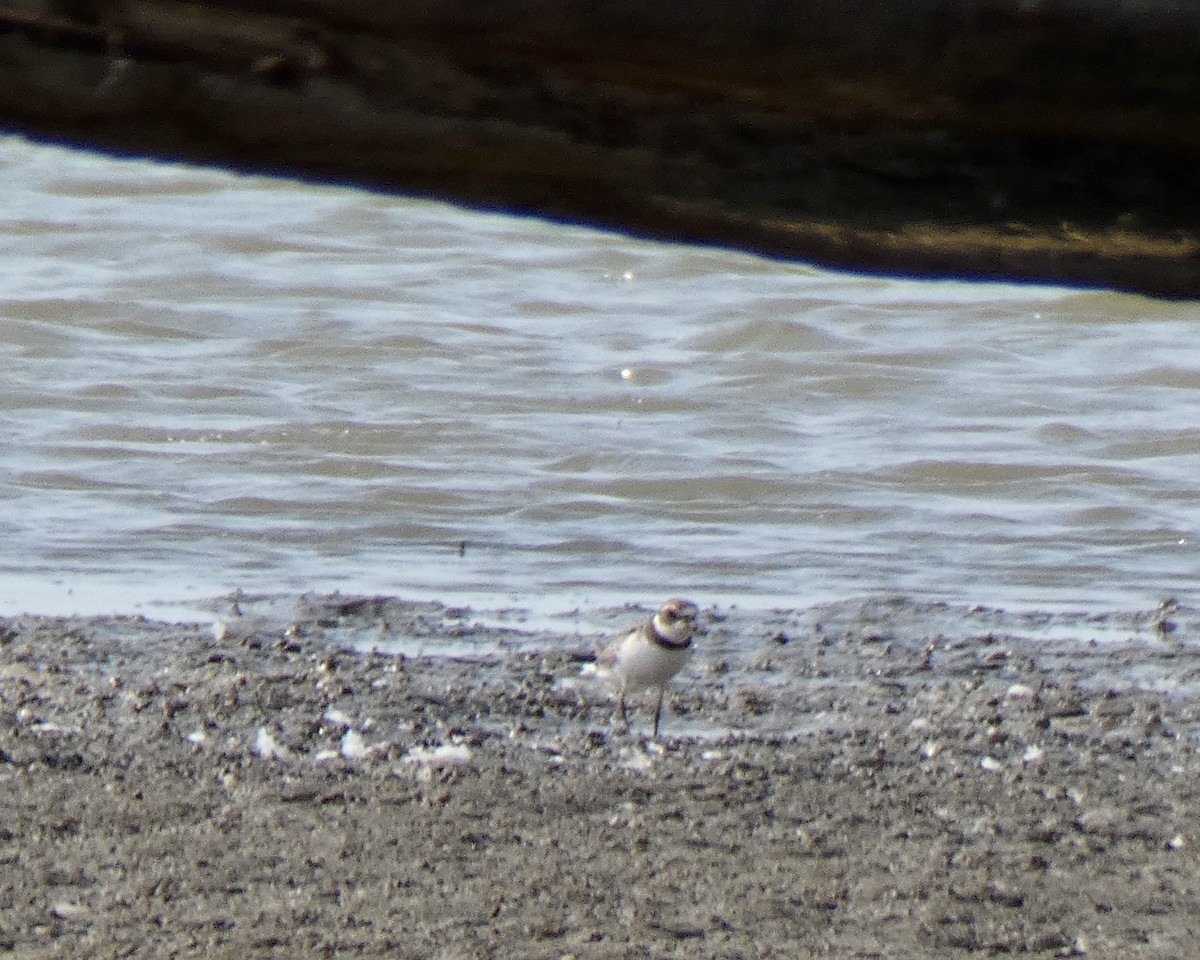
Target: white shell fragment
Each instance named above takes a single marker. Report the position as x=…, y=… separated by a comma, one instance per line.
x=446, y=757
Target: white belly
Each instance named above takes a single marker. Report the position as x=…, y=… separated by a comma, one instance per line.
x=641, y=664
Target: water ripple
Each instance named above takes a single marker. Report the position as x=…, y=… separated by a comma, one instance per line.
x=214, y=381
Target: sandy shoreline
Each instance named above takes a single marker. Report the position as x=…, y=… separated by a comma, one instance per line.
x=866, y=780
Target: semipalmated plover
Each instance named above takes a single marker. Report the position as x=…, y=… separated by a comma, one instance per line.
x=651, y=653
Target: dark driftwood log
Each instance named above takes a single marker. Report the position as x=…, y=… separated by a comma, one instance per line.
x=1053, y=139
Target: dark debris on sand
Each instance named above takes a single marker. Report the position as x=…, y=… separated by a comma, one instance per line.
x=893, y=780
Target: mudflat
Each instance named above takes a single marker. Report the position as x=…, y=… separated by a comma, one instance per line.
x=868, y=779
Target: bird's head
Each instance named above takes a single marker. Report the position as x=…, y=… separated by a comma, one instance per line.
x=676, y=619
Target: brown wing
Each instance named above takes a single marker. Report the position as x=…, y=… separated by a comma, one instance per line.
x=608, y=656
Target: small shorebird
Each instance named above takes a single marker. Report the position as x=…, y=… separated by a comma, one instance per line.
x=651, y=653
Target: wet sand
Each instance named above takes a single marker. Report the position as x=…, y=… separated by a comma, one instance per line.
x=860, y=780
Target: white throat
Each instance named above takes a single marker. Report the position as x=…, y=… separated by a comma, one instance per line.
x=677, y=632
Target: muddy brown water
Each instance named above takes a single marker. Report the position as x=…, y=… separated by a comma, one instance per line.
x=216, y=381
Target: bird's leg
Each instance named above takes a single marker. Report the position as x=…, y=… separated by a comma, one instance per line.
x=658, y=710
x=621, y=710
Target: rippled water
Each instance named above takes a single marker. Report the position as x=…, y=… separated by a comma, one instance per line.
x=216, y=381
